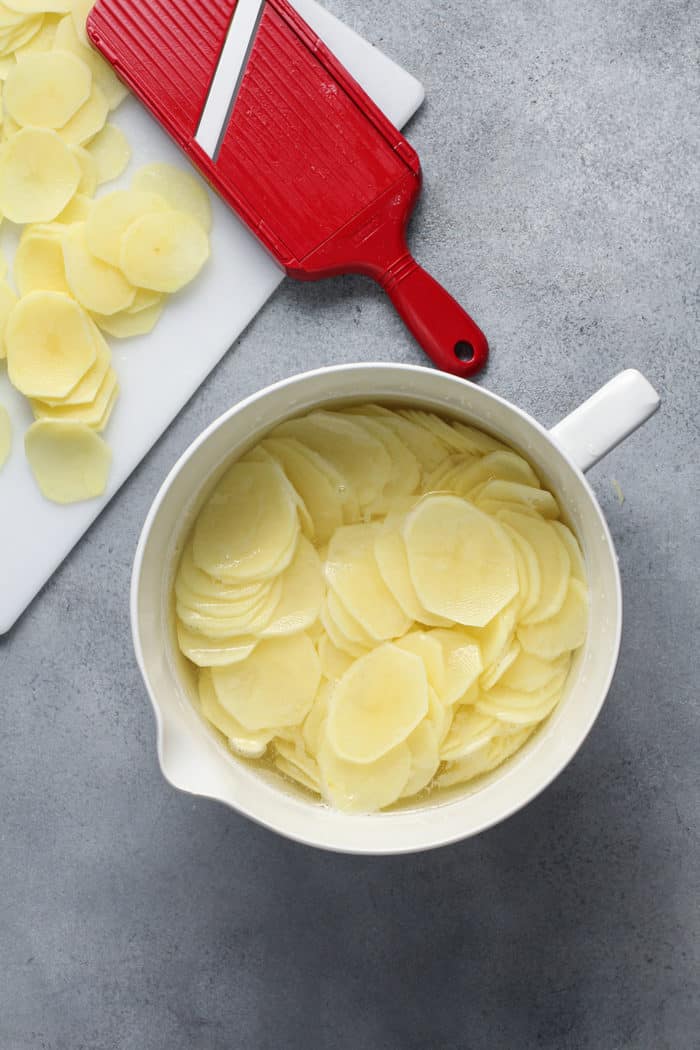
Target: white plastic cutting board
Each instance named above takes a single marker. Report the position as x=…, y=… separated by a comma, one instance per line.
x=159, y=372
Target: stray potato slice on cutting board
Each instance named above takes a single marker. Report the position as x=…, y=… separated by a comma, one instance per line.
x=181, y=190
x=355, y=788
x=67, y=39
x=273, y=687
x=49, y=344
x=352, y=572
x=249, y=526
x=76, y=210
x=39, y=262
x=88, y=181
x=38, y=176
x=43, y=39
x=461, y=562
x=79, y=10
x=5, y=436
x=88, y=121
x=125, y=324
x=112, y=215
x=95, y=284
x=8, y=300
x=245, y=742
x=69, y=461
x=164, y=251
x=45, y=90
x=552, y=558
x=564, y=631
x=94, y=414
x=85, y=392
x=302, y=593
x=214, y=652
x=144, y=300
x=376, y=704
x=111, y=152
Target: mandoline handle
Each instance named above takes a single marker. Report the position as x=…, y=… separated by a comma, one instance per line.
x=449, y=336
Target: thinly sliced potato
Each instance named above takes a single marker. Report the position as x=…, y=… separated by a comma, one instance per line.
x=334, y=662
x=488, y=757
x=470, y=731
x=248, y=527
x=43, y=39
x=111, y=152
x=95, y=414
x=112, y=215
x=8, y=301
x=461, y=561
x=578, y=568
x=552, y=558
x=126, y=325
x=273, y=687
x=462, y=662
x=208, y=587
x=96, y=285
x=88, y=121
x=529, y=673
x=296, y=762
x=351, y=628
x=213, y=652
x=5, y=436
x=38, y=176
x=79, y=10
x=318, y=492
x=49, y=345
x=314, y=727
x=76, y=210
x=39, y=262
x=352, y=571
x=104, y=77
x=429, y=650
x=377, y=703
x=45, y=90
x=182, y=190
x=302, y=593
x=88, y=180
x=144, y=300
x=365, y=788
x=392, y=562
x=518, y=708
x=564, y=631
x=218, y=623
x=246, y=742
x=31, y=7
x=69, y=461
x=496, y=672
x=86, y=390
x=424, y=745
x=514, y=493
x=164, y=251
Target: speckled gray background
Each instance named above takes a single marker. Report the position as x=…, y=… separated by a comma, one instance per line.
x=560, y=152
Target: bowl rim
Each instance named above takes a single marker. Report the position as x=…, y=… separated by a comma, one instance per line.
x=315, y=836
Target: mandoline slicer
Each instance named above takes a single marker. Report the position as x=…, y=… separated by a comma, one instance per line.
x=290, y=140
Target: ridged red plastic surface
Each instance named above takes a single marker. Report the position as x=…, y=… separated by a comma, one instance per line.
x=315, y=169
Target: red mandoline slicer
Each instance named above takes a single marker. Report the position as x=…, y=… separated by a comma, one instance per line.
x=290, y=140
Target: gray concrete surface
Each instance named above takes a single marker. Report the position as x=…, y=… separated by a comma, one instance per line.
x=560, y=152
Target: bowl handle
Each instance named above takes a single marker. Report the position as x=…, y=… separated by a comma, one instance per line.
x=606, y=418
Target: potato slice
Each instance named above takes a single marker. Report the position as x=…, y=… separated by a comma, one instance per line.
x=366, y=788
x=302, y=593
x=208, y=587
x=79, y=10
x=392, y=562
x=423, y=743
x=494, y=639
x=488, y=757
x=144, y=300
x=552, y=558
x=353, y=453
x=43, y=39
x=125, y=324
x=88, y=180
x=38, y=176
x=513, y=492
x=220, y=623
x=352, y=572
x=429, y=650
x=470, y=731
x=529, y=673
x=8, y=301
x=294, y=761
x=351, y=628
x=249, y=527
x=45, y=90
x=339, y=639
x=95, y=284
x=564, y=631
x=405, y=472
x=528, y=567
x=87, y=389
x=314, y=726
x=462, y=660
x=164, y=251
x=39, y=260
x=273, y=687
x=496, y=671
x=76, y=210
x=15, y=37
x=377, y=703
x=334, y=662
x=214, y=652
x=49, y=345
x=517, y=708
x=578, y=568
x=111, y=152
x=112, y=215
x=294, y=772
x=5, y=436
x=30, y=7
x=69, y=461
x=94, y=414
x=67, y=39
x=461, y=562
x=182, y=190
x=245, y=742
x=88, y=121
x=319, y=493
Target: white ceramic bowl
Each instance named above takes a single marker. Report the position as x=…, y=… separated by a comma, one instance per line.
x=193, y=756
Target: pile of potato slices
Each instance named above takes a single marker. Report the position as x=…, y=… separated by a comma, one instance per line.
x=85, y=267
x=379, y=601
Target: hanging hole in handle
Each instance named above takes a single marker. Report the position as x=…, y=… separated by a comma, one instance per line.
x=464, y=351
